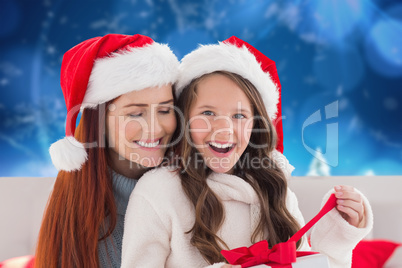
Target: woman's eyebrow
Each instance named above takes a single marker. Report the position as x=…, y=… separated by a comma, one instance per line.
x=146, y=105
x=136, y=104
x=166, y=102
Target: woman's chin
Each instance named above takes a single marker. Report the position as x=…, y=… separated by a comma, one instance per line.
x=149, y=162
x=145, y=158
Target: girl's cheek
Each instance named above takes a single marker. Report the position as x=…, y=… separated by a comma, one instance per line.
x=244, y=133
x=200, y=125
x=199, y=130
x=248, y=133
x=196, y=140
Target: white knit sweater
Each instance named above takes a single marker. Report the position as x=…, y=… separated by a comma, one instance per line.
x=159, y=214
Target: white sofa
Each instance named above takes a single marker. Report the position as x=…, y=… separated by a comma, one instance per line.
x=383, y=192
x=23, y=201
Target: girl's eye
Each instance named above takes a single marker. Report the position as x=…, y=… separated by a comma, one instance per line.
x=239, y=116
x=209, y=113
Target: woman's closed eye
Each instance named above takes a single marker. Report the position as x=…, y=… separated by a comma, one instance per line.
x=166, y=110
x=133, y=115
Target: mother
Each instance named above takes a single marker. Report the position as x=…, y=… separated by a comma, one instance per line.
x=123, y=86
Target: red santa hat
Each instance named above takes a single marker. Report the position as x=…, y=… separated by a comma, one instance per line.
x=236, y=56
x=101, y=69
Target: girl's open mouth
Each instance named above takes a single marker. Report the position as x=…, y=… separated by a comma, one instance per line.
x=221, y=148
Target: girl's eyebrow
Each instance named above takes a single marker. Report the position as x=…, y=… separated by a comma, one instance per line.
x=207, y=107
x=244, y=111
x=146, y=105
x=213, y=107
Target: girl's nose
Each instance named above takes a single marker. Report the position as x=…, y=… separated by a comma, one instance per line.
x=223, y=125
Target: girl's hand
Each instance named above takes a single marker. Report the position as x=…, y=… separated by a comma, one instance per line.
x=350, y=205
x=230, y=266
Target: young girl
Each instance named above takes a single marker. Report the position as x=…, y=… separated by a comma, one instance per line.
x=123, y=85
x=230, y=188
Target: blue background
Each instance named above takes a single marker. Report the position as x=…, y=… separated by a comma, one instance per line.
x=344, y=53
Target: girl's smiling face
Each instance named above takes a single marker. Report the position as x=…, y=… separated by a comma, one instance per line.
x=221, y=122
x=140, y=124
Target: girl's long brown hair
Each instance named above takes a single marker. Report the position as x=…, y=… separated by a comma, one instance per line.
x=276, y=224
x=80, y=202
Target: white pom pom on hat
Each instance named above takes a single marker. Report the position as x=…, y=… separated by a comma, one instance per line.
x=68, y=154
x=101, y=69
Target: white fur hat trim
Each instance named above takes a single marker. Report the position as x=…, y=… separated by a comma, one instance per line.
x=227, y=57
x=134, y=69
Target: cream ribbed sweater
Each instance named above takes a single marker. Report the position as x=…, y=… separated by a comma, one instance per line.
x=159, y=214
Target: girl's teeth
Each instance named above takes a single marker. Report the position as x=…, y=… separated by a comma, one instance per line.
x=148, y=145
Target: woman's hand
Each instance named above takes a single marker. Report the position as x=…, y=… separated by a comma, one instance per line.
x=350, y=205
x=230, y=266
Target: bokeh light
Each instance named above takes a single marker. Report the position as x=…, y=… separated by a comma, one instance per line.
x=384, y=45
x=339, y=68
x=347, y=52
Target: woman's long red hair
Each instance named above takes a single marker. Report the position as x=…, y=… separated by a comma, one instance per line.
x=79, y=204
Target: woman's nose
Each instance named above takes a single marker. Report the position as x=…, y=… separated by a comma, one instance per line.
x=152, y=126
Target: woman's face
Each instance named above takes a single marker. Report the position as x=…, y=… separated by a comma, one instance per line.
x=221, y=122
x=140, y=124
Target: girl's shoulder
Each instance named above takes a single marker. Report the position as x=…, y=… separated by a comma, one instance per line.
x=158, y=181
x=162, y=176
x=291, y=201
x=161, y=188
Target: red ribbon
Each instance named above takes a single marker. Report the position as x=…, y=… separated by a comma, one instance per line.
x=282, y=254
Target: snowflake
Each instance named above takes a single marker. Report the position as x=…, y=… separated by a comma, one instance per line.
x=4, y=82
x=111, y=24
x=51, y=50
x=9, y=69
x=63, y=20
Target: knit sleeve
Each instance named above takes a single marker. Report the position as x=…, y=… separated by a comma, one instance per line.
x=336, y=238
x=146, y=238
x=293, y=207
